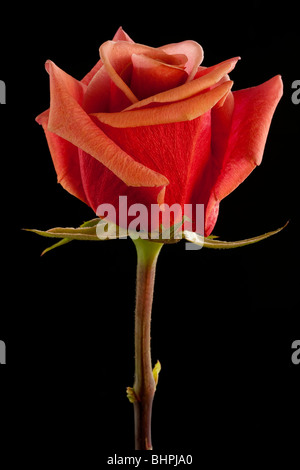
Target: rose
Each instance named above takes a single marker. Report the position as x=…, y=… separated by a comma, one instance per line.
x=152, y=124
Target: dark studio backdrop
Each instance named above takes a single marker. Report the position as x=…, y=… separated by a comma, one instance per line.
x=223, y=321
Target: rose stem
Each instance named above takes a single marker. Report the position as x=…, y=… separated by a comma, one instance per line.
x=144, y=384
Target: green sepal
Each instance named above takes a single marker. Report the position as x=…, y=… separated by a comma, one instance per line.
x=209, y=242
x=81, y=233
x=69, y=234
x=61, y=242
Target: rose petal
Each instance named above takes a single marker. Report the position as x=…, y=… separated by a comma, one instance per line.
x=68, y=120
x=103, y=95
x=150, y=76
x=116, y=57
x=178, y=150
x=251, y=119
x=119, y=36
x=112, y=60
x=65, y=159
x=102, y=186
x=210, y=76
x=97, y=95
x=88, y=77
x=221, y=118
x=192, y=50
x=184, y=110
x=122, y=36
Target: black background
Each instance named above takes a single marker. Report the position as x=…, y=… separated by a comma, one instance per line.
x=223, y=321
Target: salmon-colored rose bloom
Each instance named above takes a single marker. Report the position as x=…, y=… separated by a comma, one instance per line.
x=153, y=125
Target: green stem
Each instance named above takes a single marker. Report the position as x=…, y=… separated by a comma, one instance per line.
x=144, y=384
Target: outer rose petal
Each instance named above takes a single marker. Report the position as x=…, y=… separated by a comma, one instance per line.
x=178, y=150
x=68, y=120
x=220, y=126
x=251, y=119
x=102, y=186
x=65, y=159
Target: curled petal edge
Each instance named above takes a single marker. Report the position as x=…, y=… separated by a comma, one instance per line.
x=185, y=110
